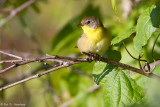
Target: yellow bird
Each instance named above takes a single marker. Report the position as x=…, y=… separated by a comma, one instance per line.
x=95, y=38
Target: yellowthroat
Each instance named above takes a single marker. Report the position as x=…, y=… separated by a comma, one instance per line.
x=95, y=37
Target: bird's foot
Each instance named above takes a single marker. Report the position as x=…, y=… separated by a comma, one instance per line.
x=92, y=57
x=89, y=58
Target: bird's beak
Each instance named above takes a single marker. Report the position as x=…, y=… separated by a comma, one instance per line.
x=80, y=24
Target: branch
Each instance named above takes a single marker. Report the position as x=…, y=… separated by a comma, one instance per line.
x=153, y=65
x=11, y=55
x=20, y=77
x=16, y=11
x=124, y=66
x=65, y=64
x=64, y=61
x=42, y=59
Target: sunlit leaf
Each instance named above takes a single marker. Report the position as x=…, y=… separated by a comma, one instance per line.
x=144, y=30
x=123, y=36
x=156, y=70
x=118, y=88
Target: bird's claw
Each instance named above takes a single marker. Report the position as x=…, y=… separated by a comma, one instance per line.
x=93, y=57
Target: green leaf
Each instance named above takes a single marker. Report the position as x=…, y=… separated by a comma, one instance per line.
x=157, y=70
x=118, y=88
x=144, y=30
x=123, y=36
x=155, y=17
x=114, y=6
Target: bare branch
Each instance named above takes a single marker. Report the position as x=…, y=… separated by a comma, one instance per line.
x=64, y=61
x=16, y=11
x=42, y=59
x=10, y=61
x=92, y=89
x=124, y=66
x=11, y=55
x=67, y=103
x=153, y=64
x=65, y=64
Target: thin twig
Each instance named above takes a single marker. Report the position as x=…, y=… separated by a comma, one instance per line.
x=16, y=11
x=11, y=55
x=153, y=64
x=157, y=30
x=94, y=88
x=10, y=61
x=25, y=75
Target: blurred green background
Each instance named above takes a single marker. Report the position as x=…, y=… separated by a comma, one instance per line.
x=50, y=27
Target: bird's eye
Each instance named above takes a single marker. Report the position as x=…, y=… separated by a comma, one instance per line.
x=88, y=22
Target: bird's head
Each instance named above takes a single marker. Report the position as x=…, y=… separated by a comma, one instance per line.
x=91, y=22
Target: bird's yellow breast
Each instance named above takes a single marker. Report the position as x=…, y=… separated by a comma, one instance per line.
x=94, y=35
x=94, y=40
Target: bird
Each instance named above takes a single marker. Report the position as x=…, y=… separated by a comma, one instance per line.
x=95, y=38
